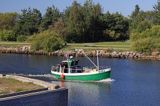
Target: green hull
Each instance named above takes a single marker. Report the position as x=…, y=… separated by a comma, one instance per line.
x=88, y=77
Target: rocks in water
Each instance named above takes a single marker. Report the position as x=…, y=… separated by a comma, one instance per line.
x=155, y=53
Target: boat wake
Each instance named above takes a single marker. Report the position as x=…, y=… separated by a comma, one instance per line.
x=108, y=80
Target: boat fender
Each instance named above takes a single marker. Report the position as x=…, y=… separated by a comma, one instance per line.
x=62, y=76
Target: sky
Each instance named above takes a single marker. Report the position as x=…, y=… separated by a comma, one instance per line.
x=124, y=7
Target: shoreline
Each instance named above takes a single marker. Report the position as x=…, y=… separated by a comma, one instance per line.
x=91, y=53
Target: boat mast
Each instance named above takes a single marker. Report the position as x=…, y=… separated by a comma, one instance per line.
x=68, y=62
x=97, y=61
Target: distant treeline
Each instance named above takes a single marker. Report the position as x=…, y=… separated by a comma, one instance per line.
x=84, y=23
x=78, y=23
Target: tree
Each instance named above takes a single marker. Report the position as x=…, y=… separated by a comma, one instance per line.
x=157, y=12
x=83, y=22
x=136, y=17
x=115, y=26
x=75, y=23
x=136, y=11
x=141, y=20
x=60, y=28
x=7, y=21
x=28, y=22
x=92, y=13
x=51, y=16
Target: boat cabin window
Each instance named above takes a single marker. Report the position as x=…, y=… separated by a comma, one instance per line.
x=76, y=69
x=65, y=67
x=74, y=63
x=73, y=68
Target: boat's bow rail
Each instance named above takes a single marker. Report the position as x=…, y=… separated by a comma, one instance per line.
x=103, y=67
x=105, y=70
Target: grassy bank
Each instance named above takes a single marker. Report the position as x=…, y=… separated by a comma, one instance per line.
x=117, y=46
x=8, y=85
x=13, y=44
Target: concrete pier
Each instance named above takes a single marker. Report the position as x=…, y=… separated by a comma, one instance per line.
x=50, y=95
x=48, y=85
x=57, y=97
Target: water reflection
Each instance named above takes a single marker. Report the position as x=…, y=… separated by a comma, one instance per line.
x=85, y=93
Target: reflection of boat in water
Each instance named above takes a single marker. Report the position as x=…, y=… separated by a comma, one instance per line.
x=69, y=70
x=86, y=93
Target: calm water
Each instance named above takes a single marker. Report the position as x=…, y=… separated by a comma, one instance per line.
x=137, y=82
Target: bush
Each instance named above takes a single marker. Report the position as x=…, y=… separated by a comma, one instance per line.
x=144, y=45
x=53, y=43
x=7, y=35
x=48, y=41
x=21, y=38
x=146, y=41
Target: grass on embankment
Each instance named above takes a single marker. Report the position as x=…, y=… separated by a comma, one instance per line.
x=8, y=85
x=117, y=46
x=13, y=44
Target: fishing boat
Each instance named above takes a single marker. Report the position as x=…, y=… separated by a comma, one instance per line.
x=69, y=70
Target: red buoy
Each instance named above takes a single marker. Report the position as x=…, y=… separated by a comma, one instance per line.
x=62, y=76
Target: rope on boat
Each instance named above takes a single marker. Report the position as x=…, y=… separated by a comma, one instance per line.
x=90, y=60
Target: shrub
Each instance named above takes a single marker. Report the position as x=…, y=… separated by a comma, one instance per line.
x=21, y=38
x=146, y=41
x=47, y=40
x=144, y=45
x=7, y=35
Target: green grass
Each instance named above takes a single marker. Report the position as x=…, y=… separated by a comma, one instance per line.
x=118, y=46
x=13, y=44
x=9, y=85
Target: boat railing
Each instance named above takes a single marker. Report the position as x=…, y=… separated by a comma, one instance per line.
x=103, y=67
x=87, y=69
x=74, y=68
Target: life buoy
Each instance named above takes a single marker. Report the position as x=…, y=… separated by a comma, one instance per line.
x=62, y=76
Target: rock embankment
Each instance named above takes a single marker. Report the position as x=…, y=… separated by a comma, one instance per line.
x=79, y=53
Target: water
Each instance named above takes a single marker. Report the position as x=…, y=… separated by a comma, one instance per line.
x=136, y=82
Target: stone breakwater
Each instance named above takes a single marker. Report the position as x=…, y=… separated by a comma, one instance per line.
x=80, y=53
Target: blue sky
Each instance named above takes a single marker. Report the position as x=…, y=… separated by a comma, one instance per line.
x=123, y=6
